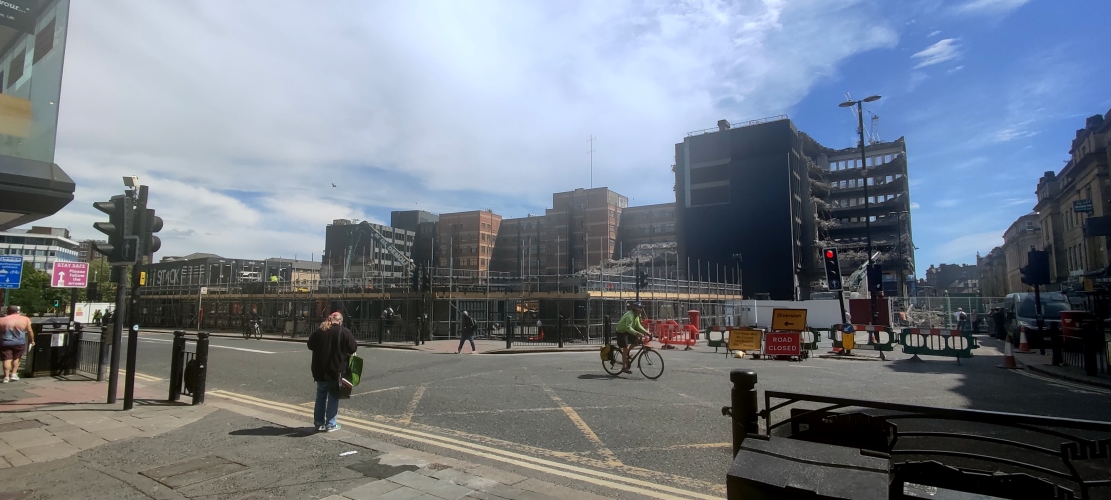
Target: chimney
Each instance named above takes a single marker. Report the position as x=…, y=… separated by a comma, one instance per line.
x=723, y=125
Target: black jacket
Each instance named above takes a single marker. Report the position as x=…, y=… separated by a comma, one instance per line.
x=330, y=349
x=469, y=326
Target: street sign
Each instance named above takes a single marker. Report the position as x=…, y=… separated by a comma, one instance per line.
x=204, y=290
x=744, y=339
x=70, y=275
x=1082, y=206
x=11, y=270
x=783, y=344
x=789, y=319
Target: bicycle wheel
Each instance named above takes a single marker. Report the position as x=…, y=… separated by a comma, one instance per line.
x=258, y=332
x=246, y=333
x=615, y=363
x=651, y=364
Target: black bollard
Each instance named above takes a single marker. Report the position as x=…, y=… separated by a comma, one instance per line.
x=381, y=329
x=559, y=330
x=102, y=359
x=745, y=410
x=420, y=326
x=176, y=365
x=1093, y=342
x=202, y=367
x=607, y=330
x=508, y=332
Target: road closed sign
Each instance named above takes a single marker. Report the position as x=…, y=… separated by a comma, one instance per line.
x=789, y=319
x=783, y=344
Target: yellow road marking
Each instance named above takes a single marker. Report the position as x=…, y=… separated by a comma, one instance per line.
x=628, y=484
x=140, y=376
x=589, y=433
x=408, y=416
x=694, y=446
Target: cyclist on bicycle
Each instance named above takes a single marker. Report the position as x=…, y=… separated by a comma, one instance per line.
x=253, y=319
x=630, y=331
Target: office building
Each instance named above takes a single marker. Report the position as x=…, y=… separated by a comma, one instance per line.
x=465, y=240
x=424, y=225
x=363, y=253
x=40, y=246
x=652, y=225
x=582, y=229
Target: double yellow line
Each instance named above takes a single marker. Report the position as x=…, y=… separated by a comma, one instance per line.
x=140, y=376
x=626, y=484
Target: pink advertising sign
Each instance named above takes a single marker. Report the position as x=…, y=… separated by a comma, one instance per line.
x=70, y=275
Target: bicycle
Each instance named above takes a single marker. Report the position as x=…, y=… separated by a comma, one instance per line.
x=648, y=360
x=253, y=328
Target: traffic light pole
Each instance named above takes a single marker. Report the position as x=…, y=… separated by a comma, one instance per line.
x=117, y=334
x=140, y=226
x=636, y=276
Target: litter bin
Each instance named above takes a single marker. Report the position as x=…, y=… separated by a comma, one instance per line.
x=55, y=353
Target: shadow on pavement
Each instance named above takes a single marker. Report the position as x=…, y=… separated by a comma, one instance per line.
x=271, y=431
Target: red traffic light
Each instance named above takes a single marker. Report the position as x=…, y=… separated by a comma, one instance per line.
x=829, y=254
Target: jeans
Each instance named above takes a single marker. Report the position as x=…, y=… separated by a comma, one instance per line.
x=327, y=400
x=463, y=340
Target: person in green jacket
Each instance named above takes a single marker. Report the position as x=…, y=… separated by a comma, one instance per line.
x=629, y=331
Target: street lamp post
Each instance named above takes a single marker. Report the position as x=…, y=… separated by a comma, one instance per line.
x=867, y=212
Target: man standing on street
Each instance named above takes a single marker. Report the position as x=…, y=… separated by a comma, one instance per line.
x=15, y=331
x=466, y=332
x=331, y=345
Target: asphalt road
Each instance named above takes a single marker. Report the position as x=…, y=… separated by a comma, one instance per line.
x=562, y=408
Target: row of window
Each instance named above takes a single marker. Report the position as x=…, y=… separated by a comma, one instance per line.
x=38, y=253
x=852, y=202
x=872, y=181
x=870, y=161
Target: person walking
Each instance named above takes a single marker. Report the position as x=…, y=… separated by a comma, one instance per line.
x=466, y=332
x=331, y=345
x=15, y=334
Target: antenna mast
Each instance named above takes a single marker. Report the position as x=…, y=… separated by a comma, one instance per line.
x=592, y=161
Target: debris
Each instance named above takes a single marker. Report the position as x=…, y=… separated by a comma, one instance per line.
x=346, y=453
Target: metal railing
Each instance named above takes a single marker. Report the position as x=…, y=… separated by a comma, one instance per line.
x=189, y=369
x=89, y=355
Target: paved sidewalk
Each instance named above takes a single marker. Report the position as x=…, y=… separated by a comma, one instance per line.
x=58, y=437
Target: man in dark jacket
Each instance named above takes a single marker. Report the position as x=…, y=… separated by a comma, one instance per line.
x=331, y=345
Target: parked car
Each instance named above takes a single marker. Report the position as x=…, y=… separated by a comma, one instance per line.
x=1021, y=312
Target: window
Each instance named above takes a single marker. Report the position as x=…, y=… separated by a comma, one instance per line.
x=15, y=69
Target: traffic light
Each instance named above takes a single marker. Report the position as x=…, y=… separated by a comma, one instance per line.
x=152, y=224
x=875, y=278
x=122, y=247
x=833, y=269
x=57, y=303
x=642, y=279
x=1036, y=270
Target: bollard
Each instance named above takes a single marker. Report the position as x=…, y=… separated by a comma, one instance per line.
x=381, y=329
x=102, y=359
x=508, y=332
x=745, y=410
x=177, y=368
x=1092, y=345
x=202, y=367
x=607, y=328
x=559, y=330
x=420, y=326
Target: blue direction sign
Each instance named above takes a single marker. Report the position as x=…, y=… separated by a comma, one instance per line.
x=11, y=270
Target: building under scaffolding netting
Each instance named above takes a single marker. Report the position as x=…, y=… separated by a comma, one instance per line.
x=543, y=309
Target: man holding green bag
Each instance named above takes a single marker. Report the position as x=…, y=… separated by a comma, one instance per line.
x=332, y=345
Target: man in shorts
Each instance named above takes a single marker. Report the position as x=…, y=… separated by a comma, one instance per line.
x=15, y=332
x=629, y=331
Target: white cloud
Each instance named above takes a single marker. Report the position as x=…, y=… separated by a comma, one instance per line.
x=989, y=6
x=914, y=205
x=948, y=203
x=964, y=248
x=942, y=51
x=954, y=70
x=933, y=34
x=240, y=125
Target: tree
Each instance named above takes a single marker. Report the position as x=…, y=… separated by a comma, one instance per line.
x=35, y=295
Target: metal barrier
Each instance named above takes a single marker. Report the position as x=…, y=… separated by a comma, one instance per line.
x=189, y=370
x=853, y=448
x=937, y=342
x=871, y=337
x=89, y=355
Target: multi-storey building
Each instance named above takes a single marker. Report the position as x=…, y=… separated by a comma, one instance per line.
x=465, y=240
x=886, y=215
x=648, y=224
x=520, y=246
x=993, y=273
x=189, y=273
x=1023, y=235
x=32, y=48
x=1072, y=205
x=40, y=246
x=424, y=225
x=952, y=278
x=582, y=229
x=358, y=251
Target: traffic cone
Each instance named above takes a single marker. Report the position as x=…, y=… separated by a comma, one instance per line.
x=1008, y=356
x=1023, y=346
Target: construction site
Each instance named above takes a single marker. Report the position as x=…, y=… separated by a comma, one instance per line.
x=428, y=302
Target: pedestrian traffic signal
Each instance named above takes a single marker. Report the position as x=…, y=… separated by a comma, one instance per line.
x=833, y=269
x=875, y=278
x=57, y=303
x=1036, y=270
x=121, y=247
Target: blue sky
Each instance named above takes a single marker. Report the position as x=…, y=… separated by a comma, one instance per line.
x=240, y=115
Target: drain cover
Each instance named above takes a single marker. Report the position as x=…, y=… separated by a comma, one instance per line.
x=371, y=468
x=193, y=471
